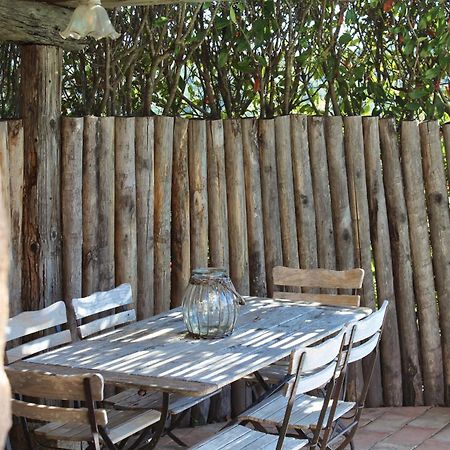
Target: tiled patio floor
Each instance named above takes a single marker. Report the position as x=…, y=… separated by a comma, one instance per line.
x=421, y=428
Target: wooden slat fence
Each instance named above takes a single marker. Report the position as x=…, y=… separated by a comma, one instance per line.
x=145, y=200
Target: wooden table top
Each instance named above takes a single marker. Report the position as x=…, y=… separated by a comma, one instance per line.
x=158, y=353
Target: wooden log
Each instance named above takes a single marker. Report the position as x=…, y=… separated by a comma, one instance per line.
x=181, y=243
x=220, y=408
x=303, y=191
x=326, y=253
x=446, y=134
x=439, y=222
x=237, y=228
x=5, y=186
x=400, y=249
x=255, y=231
x=424, y=289
x=286, y=196
x=198, y=189
x=125, y=204
x=270, y=206
x=144, y=215
x=217, y=196
x=5, y=391
x=354, y=155
x=16, y=156
x=237, y=213
x=90, y=207
x=41, y=111
x=106, y=191
x=32, y=23
x=341, y=214
x=72, y=216
x=162, y=215
x=379, y=230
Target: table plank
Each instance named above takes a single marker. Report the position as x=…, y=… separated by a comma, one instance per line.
x=157, y=353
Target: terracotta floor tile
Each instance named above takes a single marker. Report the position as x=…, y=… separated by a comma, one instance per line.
x=443, y=435
x=409, y=435
x=432, y=444
x=433, y=419
x=365, y=440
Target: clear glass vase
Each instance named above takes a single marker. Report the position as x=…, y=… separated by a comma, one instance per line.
x=210, y=304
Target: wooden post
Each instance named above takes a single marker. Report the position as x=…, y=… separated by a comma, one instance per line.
x=125, y=210
x=427, y=307
x=446, y=133
x=439, y=222
x=5, y=392
x=381, y=245
x=326, y=252
x=303, y=191
x=257, y=269
x=162, y=216
x=270, y=205
x=41, y=111
x=286, y=192
x=72, y=217
x=357, y=189
x=145, y=195
x=16, y=155
x=401, y=253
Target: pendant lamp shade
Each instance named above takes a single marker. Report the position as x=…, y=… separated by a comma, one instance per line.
x=90, y=19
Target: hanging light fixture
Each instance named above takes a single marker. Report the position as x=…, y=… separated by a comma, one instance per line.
x=90, y=19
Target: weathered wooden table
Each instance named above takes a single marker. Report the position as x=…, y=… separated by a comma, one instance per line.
x=157, y=353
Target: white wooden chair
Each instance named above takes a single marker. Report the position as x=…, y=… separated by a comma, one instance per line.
x=87, y=308
x=319, y=278
x=130, y=399
x=48, y=320
x=309, y=368
x=361, y=341
x=89, y=423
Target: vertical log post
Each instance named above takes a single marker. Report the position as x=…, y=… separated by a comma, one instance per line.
x=303, y=191
x=72, y=217
x=439, y=219
x=427, y=307
x=5, y=393
x=144, y=215
x=41, y=111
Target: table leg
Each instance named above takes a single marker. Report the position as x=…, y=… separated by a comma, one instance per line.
x=158, y=431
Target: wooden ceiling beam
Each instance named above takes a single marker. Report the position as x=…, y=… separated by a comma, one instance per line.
x=31, y=22
x=117, y=3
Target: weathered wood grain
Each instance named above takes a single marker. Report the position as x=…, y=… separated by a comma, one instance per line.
x=144, y=215
x=326, y=252
x=270, y=204
x=354, y=156
x=162, y=215
x=379, y=230
x=286, y=191
x=424, y=287
x=125, y=199
x=41, y=112
x=303, y=191
x=16, y=161
x=72, y=214
x=436, y=190
x=401, y=253
x=181, y=242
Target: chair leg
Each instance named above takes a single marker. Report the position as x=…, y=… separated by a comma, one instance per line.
x=106, y=439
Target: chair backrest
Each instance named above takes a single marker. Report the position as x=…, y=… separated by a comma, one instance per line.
x=100, y=302
x=351, y=279
x=315, y=366
x=367, y=334
x=30, y=322
x=45, y=386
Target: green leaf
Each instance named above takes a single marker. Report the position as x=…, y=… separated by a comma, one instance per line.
x=232, y=15
x=223, y=58
x=345, y=38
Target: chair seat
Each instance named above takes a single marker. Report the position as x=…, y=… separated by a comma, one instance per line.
x=121, y=424
x=135, y=399
x=240, y=438
x=304, y=415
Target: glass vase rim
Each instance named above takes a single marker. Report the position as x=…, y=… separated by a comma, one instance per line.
x=209, y=272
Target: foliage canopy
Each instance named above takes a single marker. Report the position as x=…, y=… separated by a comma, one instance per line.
x=262, y=58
